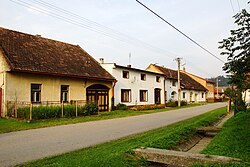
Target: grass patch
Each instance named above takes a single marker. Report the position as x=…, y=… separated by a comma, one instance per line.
x=119, y=153
x=14, y=125
x=233, y=140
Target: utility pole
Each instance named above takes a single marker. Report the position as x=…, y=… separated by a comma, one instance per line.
x=217, y=88
x=178, y=59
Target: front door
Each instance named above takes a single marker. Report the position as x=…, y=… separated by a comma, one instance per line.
x=99, y=94
x=157, y=96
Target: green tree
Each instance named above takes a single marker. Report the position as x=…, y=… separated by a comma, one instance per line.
x=237, y=48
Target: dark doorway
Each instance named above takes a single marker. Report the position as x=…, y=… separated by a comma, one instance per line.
x=157, y=96
x=99, y=94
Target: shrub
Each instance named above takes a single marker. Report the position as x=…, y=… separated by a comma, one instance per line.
x=147, y=107
x=183, y=103
x=121, y=106
x=174, y=103
x=90, y=109
x=171, y=103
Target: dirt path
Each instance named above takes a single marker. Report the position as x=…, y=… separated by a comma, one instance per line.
x=23, y=146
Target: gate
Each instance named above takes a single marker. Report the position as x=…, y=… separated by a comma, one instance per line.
x=99, y=94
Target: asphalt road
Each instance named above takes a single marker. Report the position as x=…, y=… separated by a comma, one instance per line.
x=23, y=146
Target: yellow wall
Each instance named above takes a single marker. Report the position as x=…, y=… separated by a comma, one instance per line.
x=17, y=86
x=203, y=82
x=152, y=68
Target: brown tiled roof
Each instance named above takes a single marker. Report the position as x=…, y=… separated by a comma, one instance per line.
x=186, y=82
x=35, y=54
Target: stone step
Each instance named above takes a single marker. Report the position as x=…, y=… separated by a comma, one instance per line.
x=178, y=158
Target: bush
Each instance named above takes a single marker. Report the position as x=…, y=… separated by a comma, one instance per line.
x=46, y=112
x=90, y=109
x=172, y=103
x=121, y=106
x=148, y=107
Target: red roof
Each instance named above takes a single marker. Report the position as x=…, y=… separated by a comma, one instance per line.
x=35, y=54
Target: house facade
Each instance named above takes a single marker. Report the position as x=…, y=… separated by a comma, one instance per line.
x=209, y=85
x=191, y=91
x=136, y=86
x=36, y=69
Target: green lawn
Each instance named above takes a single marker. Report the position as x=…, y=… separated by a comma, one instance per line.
x=7, y=125
x=234, y=140
x=119, y=153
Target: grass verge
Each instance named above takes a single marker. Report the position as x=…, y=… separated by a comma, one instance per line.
x=8, y=125
x=233, y=140
x=119, y=153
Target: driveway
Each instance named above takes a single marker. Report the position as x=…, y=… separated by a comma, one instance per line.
x=23, y=146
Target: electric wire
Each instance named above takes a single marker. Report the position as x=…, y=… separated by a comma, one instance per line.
x=180, y=32
x=238, y=5
x=232, y=6
x=101, y=29
x=78, y=20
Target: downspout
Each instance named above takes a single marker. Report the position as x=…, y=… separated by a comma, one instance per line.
x=164, y=88
x=113, y=95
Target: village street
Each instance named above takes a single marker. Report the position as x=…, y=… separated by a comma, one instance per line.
x=23, y=146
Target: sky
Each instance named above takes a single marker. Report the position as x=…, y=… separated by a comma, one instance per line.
x=113, y=29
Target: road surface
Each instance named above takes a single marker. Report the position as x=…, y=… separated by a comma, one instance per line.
x=23, y=146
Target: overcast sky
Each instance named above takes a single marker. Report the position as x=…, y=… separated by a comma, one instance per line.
x=111, y=29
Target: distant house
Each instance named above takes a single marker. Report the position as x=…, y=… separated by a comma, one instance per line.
x=36, y=69
x=136, y=86
x=209, y=85
x=191, y=90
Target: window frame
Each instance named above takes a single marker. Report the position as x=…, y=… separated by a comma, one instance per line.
x=158, y=79
x=142, y=97
x=63, y=92
x=35, y=94
x=125, y=74
x=143, y=77
x=184, y=95
x=123, y=99
x=174, y=83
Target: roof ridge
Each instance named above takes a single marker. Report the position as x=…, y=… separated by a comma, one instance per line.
x=37, y=36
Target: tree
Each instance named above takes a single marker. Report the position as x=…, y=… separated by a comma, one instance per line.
x=237, y=48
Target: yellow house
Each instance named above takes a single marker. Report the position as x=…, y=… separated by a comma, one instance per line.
x=36, y=69
x=209, y=85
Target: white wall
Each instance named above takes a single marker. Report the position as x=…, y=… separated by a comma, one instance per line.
x=246, y=94
x=170, y=88
x=135, y=83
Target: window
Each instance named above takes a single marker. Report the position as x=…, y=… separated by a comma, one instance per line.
x=143, y=95
x=126, y=95
x=125, y=74
x=184, y=95
x=173, y=95
x=173, y=83
x=202, y=95
x=35, y=93
x=158, y=79
x=64, y=93
x=143, y=77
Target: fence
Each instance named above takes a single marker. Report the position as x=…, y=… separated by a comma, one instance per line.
x=50, y=109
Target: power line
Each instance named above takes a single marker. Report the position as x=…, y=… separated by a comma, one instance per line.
x=180, y=32
x=238, y=5
x=92, y=27
x=77, y=20
x=232, y=6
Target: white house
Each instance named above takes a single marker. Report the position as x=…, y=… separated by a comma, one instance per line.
x=136, y=86
x=191, y=90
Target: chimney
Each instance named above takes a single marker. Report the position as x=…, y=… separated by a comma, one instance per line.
x=129, y=66
x=101, y=60
x=38, y=35
x=184, y=69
